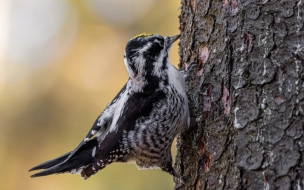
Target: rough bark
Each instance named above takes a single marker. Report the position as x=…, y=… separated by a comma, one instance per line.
x=247, y=95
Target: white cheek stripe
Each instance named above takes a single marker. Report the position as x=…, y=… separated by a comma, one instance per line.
x=145, y=48
x=158, y=71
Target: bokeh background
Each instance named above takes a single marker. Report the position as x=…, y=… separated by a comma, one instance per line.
x=61, y=62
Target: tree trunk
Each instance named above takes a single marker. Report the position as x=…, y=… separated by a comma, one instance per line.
x=246, y=96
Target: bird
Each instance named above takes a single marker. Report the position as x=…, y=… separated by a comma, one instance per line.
x=141, y=122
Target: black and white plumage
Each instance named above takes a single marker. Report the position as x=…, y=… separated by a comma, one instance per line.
x=139, y=125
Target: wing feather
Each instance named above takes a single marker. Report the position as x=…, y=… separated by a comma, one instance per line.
x=136, y=106
x=101, y=123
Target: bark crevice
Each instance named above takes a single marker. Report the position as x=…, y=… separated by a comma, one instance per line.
x=247, y=96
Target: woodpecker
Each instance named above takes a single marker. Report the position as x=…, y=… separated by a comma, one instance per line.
x=141, y=122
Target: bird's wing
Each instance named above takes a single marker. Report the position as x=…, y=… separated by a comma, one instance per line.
x=136, y=106
x=102, y=122
x=113, y=146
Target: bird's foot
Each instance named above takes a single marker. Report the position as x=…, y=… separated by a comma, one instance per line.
x=181, y=182
x=189, y=70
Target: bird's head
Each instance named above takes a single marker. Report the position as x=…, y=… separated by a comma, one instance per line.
x=146, y=55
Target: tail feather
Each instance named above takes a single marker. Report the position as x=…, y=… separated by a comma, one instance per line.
x=51, y=163
x=61, y=164
x=60, y=168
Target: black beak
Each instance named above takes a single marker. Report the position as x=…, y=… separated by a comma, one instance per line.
x=172, y=39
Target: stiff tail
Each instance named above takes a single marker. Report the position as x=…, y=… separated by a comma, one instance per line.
x=83, y=157
x=51, y=163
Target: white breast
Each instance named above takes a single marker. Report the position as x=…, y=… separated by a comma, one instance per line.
x=176, y=79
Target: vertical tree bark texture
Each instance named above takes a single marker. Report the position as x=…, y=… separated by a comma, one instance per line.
x=246, y=96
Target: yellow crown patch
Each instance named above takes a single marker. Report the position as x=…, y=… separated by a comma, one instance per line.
x=143, y=35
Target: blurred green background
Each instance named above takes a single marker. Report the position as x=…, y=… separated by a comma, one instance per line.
x=61, y=62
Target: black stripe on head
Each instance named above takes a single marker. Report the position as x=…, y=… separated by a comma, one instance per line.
x=157, y=45
x=132, y=52
x=149, y=47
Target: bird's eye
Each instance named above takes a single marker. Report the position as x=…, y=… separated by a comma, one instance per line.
x=160, y=42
